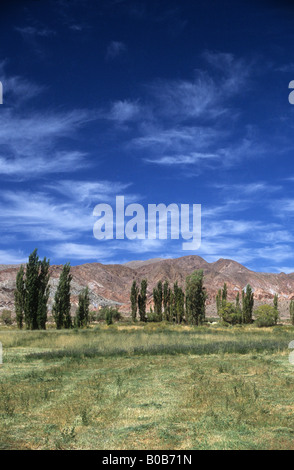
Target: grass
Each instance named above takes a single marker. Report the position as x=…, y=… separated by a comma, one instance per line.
x=153, y=386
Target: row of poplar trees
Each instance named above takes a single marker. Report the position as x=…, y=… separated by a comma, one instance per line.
x=242, y=311
x=32, y=295
x=171, y=304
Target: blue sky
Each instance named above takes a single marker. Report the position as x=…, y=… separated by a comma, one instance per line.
x=159, y=101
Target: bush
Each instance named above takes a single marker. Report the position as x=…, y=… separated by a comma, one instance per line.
x=152, y=317
x=230, y=314
x=92, y=316
x=116, y=315
x=6, y=317
x=266, y=315
x=109, y=314
x=105, y=313
x=109, y=317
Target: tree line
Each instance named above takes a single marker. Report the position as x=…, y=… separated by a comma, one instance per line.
x=171, y=304
x=241, y=312
x=32, y=294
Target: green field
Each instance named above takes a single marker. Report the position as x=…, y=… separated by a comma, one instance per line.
x=154, y=386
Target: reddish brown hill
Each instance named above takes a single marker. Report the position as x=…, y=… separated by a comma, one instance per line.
x=110, y=284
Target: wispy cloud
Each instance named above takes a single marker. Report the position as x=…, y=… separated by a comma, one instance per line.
x=12, y=257
x=89, y=191
x=115, y=49
x=179, y=139
x=21, y=168
x=249, y=188
x=17, y=89
x=78, y=251
x=32, y=31
x=182, y=121
x=183, y=160
x=124, y=111
x=37, y=215
x=28, y=140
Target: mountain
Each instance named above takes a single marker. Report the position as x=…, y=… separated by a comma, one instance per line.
x=111, y=284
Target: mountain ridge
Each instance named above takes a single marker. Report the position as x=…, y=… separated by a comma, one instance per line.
x=110, y=284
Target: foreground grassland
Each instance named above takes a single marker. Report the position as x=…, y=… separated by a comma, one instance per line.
x=147, y=387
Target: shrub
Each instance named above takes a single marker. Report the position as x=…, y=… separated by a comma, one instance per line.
x=230, y=314
x=6, y=317
x=109, y=314
x=92, y=316
x=153, y=317
x=109, y=317
x=266, y=315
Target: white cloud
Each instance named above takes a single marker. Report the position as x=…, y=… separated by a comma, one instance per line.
x=86, y=191
x=249, y=188
x=104, y=251
x=179, y=139
x=123, y=111
x=26, y=167
x=78, y=251
x=184, y=121
x=183, y=160
x=27, y=143
x=31, y=31
x=115, y=49
x=12, y=257
x=39, y=216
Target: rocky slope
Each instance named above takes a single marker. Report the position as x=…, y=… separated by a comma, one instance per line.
x=110, y=284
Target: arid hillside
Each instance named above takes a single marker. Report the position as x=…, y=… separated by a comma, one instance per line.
x=110, y=284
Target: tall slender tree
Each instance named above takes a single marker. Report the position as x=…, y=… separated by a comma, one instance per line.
x=238, y=305
x=247, y=304
x=134, y=300
x=166, y=295
x=142, y=300
x=171, y=306
x=82, y=316
x=196, y=298
x=20, y=297
x=32, y=291
x=224, y=295
x=157, y=298
x=44, y=291
x=62, y=306
x=179, y=303
x=218, y=300
x=276, y=302
x=36, y=292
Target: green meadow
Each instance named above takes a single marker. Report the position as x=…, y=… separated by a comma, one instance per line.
x=151, y=386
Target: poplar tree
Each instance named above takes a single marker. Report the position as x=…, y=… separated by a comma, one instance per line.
x=247, y=304
x=218, y=300
x=82, y=316
x=20, y=297
x=224, y=295
x=166, y=295
x=142, y=300
x=196, y=298
x=171, y=306
x=179, y=303
x=36, y=292
x=43, y=288
x=238, y=306
x=276, y=302
x=62, y=306
x=134, y=300
x=157, y=298
x=32, y=291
